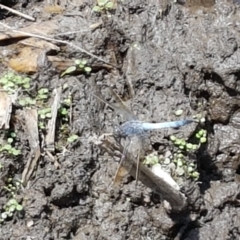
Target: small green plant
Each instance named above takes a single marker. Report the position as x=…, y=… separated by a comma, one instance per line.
x=63, y=110
x=10, y=150
x=8, y=147
x=43, y=114
x=11, y=82
x=43, y=94
x=151, y=159
x=64, y=113
x=27, y=101
x=12, y=204
x=183, y=167
x=103, y=5
x=79, y=65
x=202, y=136
x=72, y=138
x=183, y=146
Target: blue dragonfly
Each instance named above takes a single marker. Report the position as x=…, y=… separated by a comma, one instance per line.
x=136, y=131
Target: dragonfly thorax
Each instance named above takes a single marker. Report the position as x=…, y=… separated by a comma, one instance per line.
x=130, y=128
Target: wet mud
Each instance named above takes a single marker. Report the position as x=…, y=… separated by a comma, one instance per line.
x=163, y=56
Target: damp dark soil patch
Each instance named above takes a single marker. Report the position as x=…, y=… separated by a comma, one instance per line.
x=159, y=56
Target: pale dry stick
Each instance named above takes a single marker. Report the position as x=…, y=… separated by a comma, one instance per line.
x=50, y=138
x=17, y=13
x=57, y=41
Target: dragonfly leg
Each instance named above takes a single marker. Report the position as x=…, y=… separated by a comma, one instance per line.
x=137, y=171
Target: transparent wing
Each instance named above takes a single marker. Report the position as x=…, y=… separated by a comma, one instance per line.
x=136, y=145
x=119, y=107
x=122, y=108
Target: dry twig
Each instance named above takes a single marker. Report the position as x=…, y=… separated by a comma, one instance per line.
x=17, y=13
x=56, y=41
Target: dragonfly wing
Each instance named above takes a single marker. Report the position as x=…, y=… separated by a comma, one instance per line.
x=119, y=107
x=143, y=143
x=134, y=149
x=120, y=174
x=122, y=108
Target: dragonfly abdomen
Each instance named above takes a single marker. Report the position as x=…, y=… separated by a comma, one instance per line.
x=175, y=124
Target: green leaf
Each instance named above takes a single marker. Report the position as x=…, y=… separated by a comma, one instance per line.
x=87, y=69
x=96, y=9
x=19, y=207
x=7, y=147
x=72, y=138
x=195, y=175
x=189, y=146
x=10, y=140
x=102, y=2
x=12, y=208
x=3, y=80
x=203, y=140
x=178, y=141
x=109, y=5
x=26, y=80
x=16, y=152
x=49, y=115
x=195, y=147
x=69, y=70
x=68, y=101
x=26, y=86
x=10, y=84
x=22, y=102
x=45, y=110
x=17, y=79
x=198, y=135
x=13, y=202
x=4, y=215
x=10, y=75
x=13, y=134
x=41, y=125
x=42, y=116
x=43, y=91
x=84, y=62
x=10, y=214
x=43, y=96
x=173, y=138
x=63, y=111
x=77, y=61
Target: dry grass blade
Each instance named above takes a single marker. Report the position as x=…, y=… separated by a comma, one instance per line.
x=17, y=12
x=50, y=138
x=5, y=109
x=31, y=127
x=26, y=34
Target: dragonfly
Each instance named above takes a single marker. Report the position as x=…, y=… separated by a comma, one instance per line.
x=133, y=128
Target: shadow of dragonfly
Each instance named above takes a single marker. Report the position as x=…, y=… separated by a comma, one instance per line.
x=136, y=131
